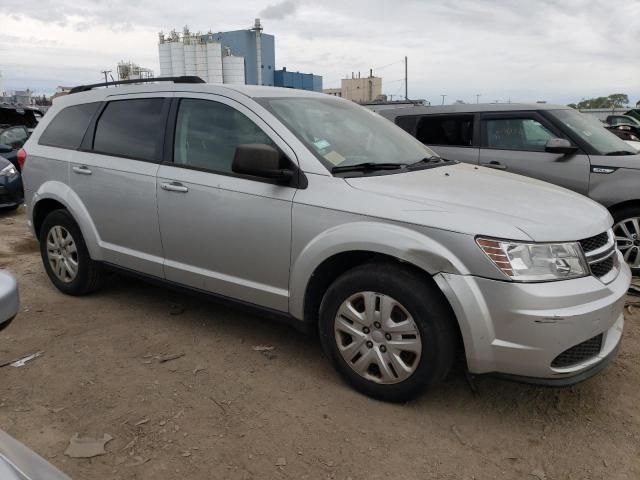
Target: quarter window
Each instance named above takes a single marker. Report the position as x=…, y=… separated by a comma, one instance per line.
x=131, y=128
x=517, y=134
x=207, y=134
x=68, y=127
x=445, y=130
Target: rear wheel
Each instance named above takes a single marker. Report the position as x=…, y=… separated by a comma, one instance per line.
x=626, y=229
x=388, y=331
x=65, y=255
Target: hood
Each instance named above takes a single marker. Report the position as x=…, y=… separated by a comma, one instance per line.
x=481, y=201
x=618, y=161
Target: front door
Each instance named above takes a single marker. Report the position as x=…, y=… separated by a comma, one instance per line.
x=515, y=142
x=221, y=232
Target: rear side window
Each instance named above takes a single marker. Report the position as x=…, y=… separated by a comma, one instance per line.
x=131, y=128
x=454, y=130
x=69, y=126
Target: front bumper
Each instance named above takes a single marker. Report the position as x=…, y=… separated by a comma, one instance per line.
x=518, y=329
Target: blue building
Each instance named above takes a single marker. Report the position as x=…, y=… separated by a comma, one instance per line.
x=302, y=81
x=243, y=44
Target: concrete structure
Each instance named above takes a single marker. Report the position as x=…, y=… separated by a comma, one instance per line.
x=358, y=89
x=202, y=55
x=302, y=81
x=361, y=90
x=132, y=71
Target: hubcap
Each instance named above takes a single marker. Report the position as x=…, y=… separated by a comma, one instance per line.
x=62, y=254
x=377, y=337
x=627, y=234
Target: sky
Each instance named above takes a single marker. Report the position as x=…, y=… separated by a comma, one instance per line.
x=559, y=51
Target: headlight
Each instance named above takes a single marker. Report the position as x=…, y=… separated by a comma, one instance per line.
x=535, y=262
x=8, y=171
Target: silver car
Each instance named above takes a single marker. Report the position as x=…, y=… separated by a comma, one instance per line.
x=314, y=209
x=553, y=143
x=18, y=462
x=9, y=299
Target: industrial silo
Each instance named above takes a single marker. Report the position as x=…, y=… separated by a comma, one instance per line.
x=214, y=62
x=201, y=61
x=177, y=58
x=233, y=69
x=164, y=49
x=189, y=59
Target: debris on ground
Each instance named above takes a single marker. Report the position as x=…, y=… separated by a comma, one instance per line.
x=87, y=447
x=141, y=422
x=263, y=348
x=539, y=474
x=199, y=368
x=20, y=362
x=137, y=461
x=168, y=358
x=281, y=462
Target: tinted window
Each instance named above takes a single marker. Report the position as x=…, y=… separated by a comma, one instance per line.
x=517, y=134
x=69, y=126
x=445, y=130
x=15, y=137
x=207, y=134
x=131, y=128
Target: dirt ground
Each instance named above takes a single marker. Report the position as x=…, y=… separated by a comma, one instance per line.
x=224, y=410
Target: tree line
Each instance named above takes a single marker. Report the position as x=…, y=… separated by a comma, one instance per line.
x=615, y=100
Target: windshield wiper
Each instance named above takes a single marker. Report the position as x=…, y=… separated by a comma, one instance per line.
x=621, y=152
x=367, y=166
x=426, y=161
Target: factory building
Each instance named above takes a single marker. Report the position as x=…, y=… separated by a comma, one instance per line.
x=302, y=81
x=239, y=56
x=358, y=89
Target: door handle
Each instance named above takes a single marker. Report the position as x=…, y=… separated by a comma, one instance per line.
x=174, y=187
x=495, y=165
x=82, y=170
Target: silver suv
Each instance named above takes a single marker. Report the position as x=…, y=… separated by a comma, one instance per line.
x=315, y=209
x=553, y=143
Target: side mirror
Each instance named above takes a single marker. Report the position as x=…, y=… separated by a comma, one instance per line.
x=5, y=148
x=260, y=160
x=560, y=145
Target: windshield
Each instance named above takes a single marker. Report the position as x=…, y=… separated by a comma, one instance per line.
x=341, y=133
x=591, y=131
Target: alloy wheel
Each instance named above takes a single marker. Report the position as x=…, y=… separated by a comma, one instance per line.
x=377, y=337
x=62, y=254
x=627, y=233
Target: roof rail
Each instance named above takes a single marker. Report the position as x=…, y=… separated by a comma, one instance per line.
x=183, y=79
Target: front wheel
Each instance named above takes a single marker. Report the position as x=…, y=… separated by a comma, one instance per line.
x=626, y=229
x=388, y=331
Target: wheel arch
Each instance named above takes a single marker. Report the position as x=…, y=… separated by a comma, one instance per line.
x=56, y=195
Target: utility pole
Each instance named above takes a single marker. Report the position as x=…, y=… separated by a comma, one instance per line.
x=478, y=97
x=406, y=83
x=443, y=97
x=105, y=73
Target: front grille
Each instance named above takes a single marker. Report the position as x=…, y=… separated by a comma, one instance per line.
x=593, y=243
x=600, y=269
x=579, y=353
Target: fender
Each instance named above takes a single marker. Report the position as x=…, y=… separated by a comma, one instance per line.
x=61, y=192
x=400, y=242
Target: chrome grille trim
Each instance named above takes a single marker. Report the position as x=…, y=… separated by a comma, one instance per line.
x=600, y=255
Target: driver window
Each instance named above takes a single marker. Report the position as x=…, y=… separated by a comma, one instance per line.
x=517, y=134
x=208, y=132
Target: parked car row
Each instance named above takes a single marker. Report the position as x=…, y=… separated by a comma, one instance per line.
x=313, y=209
x=549, y=142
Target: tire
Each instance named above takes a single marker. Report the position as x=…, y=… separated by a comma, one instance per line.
x=630, y=247
x=88, y=274
x=417, y=301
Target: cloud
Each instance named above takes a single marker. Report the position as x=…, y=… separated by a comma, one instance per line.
x=280, y=10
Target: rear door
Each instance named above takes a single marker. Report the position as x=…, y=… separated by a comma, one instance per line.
x=450, y=136
x=114, y=174
x=515, y=142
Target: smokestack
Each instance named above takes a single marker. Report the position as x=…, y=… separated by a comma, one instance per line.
x=258, y=29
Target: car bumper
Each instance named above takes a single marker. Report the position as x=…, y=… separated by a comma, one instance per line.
x=517, y=330
x=11, y=192
x=9, y=299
